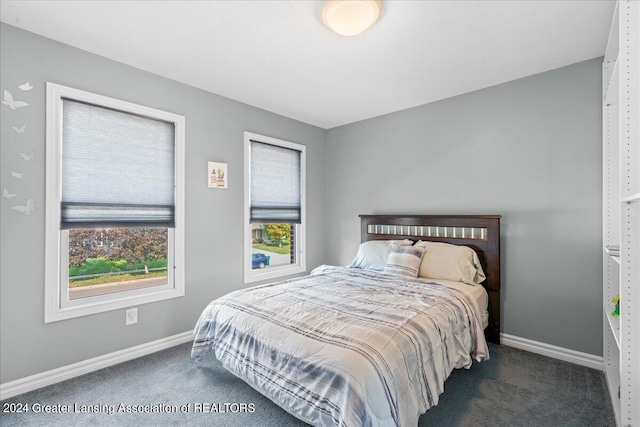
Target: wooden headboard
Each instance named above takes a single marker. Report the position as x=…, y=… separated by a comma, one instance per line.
x=479, y=232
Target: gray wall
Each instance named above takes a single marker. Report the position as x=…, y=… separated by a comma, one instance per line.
x=529, y=150
x=214, y=230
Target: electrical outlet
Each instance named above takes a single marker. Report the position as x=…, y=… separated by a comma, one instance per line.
x=131, y=316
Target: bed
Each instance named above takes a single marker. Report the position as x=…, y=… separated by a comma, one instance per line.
x=361, y=346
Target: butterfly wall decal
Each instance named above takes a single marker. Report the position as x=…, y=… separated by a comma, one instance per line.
x=7, y=195
x=9, y=102
x=28, y=157
x=26, y=209
x=17, y=175
x=25, y=86
x=20, y=129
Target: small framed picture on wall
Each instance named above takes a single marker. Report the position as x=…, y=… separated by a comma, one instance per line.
x=217, y=175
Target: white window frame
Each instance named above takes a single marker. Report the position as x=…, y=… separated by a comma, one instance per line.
x=57, y=303
x=251, y=275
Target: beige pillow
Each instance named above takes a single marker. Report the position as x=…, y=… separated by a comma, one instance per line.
x=450, y=262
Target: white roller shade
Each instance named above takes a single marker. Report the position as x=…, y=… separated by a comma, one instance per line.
x=118, y=169
x=275, y=184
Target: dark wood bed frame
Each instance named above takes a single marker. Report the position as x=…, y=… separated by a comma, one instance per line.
x=479, y=232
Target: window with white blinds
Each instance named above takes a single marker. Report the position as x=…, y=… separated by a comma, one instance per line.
x=274, y=208
x=113, y=169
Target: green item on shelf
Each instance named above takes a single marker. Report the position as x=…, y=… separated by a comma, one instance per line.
x=616, y=301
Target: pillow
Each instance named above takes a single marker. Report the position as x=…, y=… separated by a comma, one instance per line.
x=450, y=262
x=404, y=260
x=373, y=254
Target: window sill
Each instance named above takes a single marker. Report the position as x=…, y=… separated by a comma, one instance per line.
x=275, y=273
x=96, y=305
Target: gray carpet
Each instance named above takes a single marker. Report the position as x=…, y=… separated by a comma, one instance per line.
x=514, y=388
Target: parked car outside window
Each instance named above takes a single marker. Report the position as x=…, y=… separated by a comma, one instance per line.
x=259, y=260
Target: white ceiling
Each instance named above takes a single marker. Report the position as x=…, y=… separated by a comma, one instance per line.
x=277, y=55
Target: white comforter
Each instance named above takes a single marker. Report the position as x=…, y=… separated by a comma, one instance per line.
x=344, y=346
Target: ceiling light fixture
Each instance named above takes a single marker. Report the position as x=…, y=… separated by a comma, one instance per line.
x=350, y=17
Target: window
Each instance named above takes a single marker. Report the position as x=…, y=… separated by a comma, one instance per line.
x=274, y=208
x=115, y=204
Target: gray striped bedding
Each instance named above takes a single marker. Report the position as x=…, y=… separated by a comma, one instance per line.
x=345, y=346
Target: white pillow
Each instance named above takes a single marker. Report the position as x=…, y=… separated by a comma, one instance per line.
x=373, y=254
x=450, y=262
x=404, y=260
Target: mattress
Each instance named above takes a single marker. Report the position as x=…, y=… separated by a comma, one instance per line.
x=476, y=292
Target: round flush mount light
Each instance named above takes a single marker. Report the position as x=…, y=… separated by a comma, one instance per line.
x=350, y=17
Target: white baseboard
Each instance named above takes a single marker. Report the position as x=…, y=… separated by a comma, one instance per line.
x=33, y=382
x=579, y=358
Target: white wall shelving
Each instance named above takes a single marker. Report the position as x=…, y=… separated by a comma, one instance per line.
x=621, y=212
